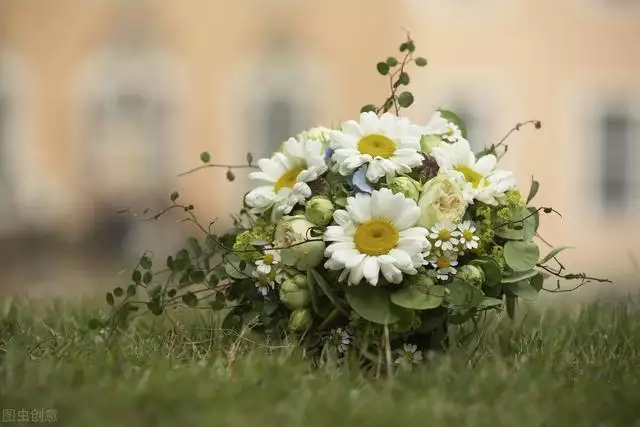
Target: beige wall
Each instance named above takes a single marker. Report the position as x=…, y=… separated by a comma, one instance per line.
x=514, y=60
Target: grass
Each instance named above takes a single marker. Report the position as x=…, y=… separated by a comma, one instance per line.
x=560, y=369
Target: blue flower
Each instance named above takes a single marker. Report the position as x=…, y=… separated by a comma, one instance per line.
x=327, y=155
x=359, y=180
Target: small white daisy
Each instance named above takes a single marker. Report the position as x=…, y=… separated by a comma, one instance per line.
x=286, y=175
x=376, y=235
x=468, y=238
x=445, y=264
x=388, y=144
x=445, y=236
x=452, y=134
x=341, y=338
x=409, y=355
x=266, y=271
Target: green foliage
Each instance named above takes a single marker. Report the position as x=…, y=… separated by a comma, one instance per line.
x=555, y=251
x=382, y=68
x=405, y=99
x=373, y=304
x=205, y=157
x=421, y=62
x=419, y=297
x=368, y=108
x=453, y=118
x=535, y=186
x=521, y=256
x=391, y=61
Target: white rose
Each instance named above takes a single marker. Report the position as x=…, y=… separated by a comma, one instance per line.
x=442, y=201
x=290, y=233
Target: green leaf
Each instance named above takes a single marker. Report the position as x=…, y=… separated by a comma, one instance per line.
x=197, y=276
x=118, y=292
x=488, y=302
x=174, y=196
x=147, y=277
x=533, y=190
x=288, y=257
x=391, y=61
x=419, y=298
x=312, y=292
x=492, y=270
x=522, y=289
x=526, y=227
x=408, y=46
x=382, y=68
x=249, y=159
x=368, y=108
x=328, y=291
x=404, y=79
x=405, y=99
x=194, y=246
x=131, y=291
x=520, y=275
x=236, y=267
x=145, y=262
x=421, y=62
x=205, y=157
x=521, y=256
x=537, y=281
x=555, y=251
x=136, y=277
x=464, y=294
x=109, y=298
x=230, y=175
x=373, y=304
x=94, y=324
x=455, y=119
x=155, y=307
x=190, y=299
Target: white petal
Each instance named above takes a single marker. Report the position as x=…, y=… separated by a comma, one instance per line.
x=371, y=270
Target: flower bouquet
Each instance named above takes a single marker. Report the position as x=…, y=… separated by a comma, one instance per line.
x=366, y=239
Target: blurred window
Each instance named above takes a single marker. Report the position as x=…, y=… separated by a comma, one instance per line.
x=617, y=186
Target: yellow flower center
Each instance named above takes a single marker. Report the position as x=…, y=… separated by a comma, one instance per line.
x=470, y=175
x=376, y=145
x=376, y=237
x=443, y=262
x=468, y=234
x=268, y=259
x=288, y=179
x=444, y=235
x=449, y=132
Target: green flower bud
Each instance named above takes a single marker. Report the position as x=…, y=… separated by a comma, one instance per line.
x=471, y=274
x=293, y=296
x=320, y=210
x=407, y=186
x=300, y=319
x=291, y=232
x=429, y=142
x=301, y=280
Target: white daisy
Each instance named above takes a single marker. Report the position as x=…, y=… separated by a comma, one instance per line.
x=287, y=174
x=390, y=145
x=341, y=338
x=266, y=271
x=445, y=236
x=444, y=263
x=409, y=355
x=376, y=234
x=482, y=181
x=468, y=238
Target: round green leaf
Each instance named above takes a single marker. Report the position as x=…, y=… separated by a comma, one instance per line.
x=230, y=175
x=419, y=298
x=488, y=302
x=205, y=157
x=404, y=78
x=405, y=99
x=190, y=299
x=373, y=304
x=421, y=62
x=383, y=68
x=391, y=61
x=521, y=256
x=519, y=275
x=462, y=293
x=522, y=289
x=537, y=281
x=368, y=108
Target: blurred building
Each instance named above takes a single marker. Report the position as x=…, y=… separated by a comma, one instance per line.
x=103, y=103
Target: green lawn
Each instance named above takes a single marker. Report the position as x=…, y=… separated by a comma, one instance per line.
x=578, y=369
